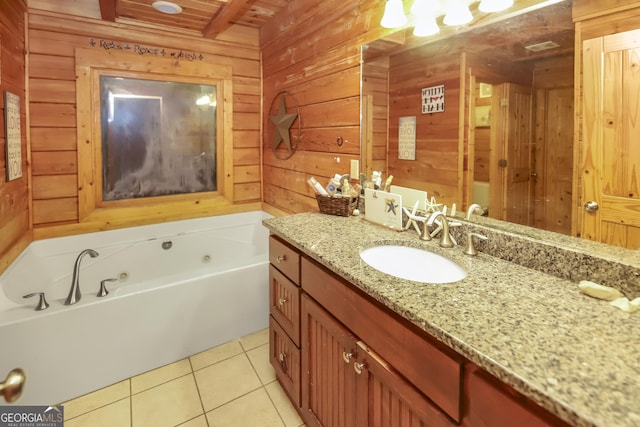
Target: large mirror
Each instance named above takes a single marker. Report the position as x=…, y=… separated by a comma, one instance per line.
x=503, y=137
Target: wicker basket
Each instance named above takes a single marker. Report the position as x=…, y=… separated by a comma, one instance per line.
x=342, y=206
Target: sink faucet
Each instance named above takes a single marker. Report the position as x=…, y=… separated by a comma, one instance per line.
x=74, y=292
x=445, y=237
x=472, y=209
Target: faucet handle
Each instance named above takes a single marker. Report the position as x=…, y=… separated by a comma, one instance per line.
x=103, y=292
x=42, y=302
x=471, y=249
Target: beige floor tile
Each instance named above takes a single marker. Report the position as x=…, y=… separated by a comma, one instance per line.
x=96, y=399
x=161, y=375
x=168, y=404
x=201, y=421
x=215, y=354
x=259, y=357
x=117, y=414
x=253, y=409
x=254, y=340
x=283, y=405
x=225, y=381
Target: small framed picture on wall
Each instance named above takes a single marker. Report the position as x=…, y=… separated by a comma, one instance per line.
x=12, y=135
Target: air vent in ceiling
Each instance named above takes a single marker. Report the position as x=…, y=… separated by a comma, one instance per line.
x=542, y=46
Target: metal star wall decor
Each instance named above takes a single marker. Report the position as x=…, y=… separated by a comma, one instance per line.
x=282, y=122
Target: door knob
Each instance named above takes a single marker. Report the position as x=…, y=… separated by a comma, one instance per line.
x=591, y=206
x=11, y=387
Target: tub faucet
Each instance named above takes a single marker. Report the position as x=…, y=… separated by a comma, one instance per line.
x=74, y=292
x=445, y=237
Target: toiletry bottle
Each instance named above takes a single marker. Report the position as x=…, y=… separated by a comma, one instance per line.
x=346, y=189
x=319, y=189
x=387, y=184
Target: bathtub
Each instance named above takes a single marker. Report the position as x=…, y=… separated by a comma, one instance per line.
x=180, y=288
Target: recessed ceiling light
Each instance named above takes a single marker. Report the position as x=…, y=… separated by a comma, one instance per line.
x=166, y=7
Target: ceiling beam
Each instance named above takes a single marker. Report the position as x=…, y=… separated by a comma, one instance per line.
x=108, y=10
x=223, y=19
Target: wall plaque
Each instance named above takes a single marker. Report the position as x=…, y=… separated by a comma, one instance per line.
x=12, y=135
x=407, y=138
x=433, y=99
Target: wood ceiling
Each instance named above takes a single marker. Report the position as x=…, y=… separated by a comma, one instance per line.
x=208, y=17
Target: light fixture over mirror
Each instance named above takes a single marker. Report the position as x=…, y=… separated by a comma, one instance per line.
x=424, y=13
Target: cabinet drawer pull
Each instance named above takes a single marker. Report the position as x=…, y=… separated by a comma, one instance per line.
x=281, y=258
x=358, y=367
x=347, y=357
x=282, y=301
x=283, y=361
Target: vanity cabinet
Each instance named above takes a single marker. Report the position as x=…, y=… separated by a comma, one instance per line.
x=284, y=316
x=346, y=360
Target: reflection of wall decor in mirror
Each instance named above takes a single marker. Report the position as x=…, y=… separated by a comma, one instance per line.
x=158, y=138
x=407, y=138
x=483, y=116
x=283, y=119
x=488, y=67
x=13, y=149
x=433, y=99
x=485, y=90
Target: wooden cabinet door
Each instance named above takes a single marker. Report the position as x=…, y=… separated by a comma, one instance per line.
x=387, y=399
x=328, y=378
x=611, y=149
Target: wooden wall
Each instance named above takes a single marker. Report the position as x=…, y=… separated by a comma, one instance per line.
x=52, y=41
x=312, y=50
x=14, y=196
x=436, y=168
x=375, y=116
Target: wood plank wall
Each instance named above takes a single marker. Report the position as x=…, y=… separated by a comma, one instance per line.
x=312, y=50
x=52, y=40
x=15, y=232
x=436, y=167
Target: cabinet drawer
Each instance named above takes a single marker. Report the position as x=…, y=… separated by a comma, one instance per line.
x=432, y=369
x=285, y=359
x=490, y=403
x=284, y=302
x=285, y=258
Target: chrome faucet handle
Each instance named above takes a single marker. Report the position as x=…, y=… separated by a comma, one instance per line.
x=471, y=249
x=42, y=302
x=103, y=292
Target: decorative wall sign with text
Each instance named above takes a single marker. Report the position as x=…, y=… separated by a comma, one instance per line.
x=407, y=138
x=144, y=50
x=12, y=135
x=433, y=99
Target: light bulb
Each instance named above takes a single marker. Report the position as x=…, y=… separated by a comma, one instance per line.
x=458, y=14
x=203, y=100
x=394, y=16
x=426, y=26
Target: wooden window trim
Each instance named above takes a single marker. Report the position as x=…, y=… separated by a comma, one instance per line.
x=90, y=64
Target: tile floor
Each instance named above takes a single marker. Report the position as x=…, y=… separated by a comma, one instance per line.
x=232, y=385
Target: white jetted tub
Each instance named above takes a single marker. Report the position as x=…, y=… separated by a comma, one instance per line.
x=181, y=287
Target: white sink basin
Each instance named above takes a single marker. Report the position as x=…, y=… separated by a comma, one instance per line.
x=414, y=264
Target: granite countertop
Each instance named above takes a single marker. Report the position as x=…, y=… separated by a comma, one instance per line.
x=576, y=356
